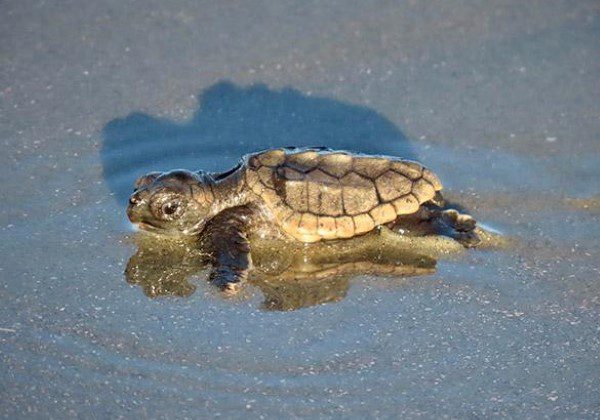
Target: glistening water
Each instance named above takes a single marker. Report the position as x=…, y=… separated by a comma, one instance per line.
x=100, y=321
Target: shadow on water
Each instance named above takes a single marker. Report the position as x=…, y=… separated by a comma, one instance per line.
x=230, y=122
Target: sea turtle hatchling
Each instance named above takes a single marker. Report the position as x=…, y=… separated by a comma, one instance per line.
x=303, y=194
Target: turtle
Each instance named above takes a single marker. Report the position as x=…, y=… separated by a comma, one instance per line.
x=299, y=194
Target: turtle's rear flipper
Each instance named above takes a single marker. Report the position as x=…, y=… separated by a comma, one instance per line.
x=458, y=226
x=432, y=219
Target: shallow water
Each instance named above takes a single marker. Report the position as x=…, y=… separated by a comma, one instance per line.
x=510, y=331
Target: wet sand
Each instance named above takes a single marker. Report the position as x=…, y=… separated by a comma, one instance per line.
x=500, y=100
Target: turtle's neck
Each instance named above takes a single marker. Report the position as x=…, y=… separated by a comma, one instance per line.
x=228, y=189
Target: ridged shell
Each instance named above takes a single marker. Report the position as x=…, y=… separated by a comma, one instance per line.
x=320, y=194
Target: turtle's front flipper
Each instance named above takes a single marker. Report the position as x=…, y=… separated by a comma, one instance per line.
x=225, y=238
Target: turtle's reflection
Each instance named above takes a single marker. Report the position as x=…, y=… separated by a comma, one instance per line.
x=290, y=276
x=163, y=268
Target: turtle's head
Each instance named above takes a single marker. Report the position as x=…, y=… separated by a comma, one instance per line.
x=176, y=202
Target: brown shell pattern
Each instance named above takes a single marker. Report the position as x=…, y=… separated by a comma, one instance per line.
x=321, y=194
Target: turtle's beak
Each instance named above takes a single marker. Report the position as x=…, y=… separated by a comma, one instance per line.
x=133, y=209
x=133, y=216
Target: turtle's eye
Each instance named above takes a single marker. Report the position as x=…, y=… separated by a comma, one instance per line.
x=167, y=208
x=171, y=210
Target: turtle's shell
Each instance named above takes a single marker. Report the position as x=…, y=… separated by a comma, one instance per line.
x=317, y=194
